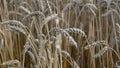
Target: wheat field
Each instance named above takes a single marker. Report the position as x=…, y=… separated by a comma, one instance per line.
x=59, y=33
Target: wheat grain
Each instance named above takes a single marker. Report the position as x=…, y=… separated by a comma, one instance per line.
x=42, y=58
x=65, y=53
x=10, y=62
x=51, y=17
x=25, y=9
x=56, y=29
x=57, y=21
x=32, y=57
x=26, y=47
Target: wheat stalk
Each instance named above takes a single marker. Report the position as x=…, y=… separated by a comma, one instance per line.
x=67, y=7
x=3, y=38
x=25, y=49
x=58, y=41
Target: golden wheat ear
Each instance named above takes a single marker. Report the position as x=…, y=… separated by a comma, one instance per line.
x=101, y=52
x=12, y=63
x=76, y=30
x=95, y=44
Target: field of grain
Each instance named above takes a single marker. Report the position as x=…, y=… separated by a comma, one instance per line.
x=59, y=33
